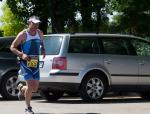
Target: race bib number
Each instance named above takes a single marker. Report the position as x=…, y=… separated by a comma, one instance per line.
x=32, y=63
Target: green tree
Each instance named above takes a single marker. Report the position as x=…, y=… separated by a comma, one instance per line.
x=11, y=25
x=23, y=9
x=133, y=15
x=93, y=15
x=61, y=14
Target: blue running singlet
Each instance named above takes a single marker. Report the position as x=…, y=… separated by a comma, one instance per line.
x=30, y=69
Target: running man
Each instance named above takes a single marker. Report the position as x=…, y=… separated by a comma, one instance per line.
x=31, y=41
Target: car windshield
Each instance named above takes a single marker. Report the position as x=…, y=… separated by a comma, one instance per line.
x=52, y=44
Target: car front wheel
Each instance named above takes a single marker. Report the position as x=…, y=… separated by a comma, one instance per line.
x=145, y=95
x=8, y=86
x=93, y=88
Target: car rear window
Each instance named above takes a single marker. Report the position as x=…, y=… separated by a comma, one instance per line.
x=52, y=44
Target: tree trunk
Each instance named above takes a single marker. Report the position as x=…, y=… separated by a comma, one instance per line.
x=44, y=25
x=98, y=21
x=57, y=18
x=86, y=12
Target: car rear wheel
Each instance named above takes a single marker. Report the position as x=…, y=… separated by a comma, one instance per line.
x=93, y=88
x=145, y=95
x=8, y=86
x=51, y=96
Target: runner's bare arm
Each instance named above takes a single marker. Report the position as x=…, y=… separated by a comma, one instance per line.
x=42, y=37
x=17, y=42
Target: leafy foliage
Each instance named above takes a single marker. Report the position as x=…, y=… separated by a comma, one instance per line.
x=23, y=9
x=93, y=15
x=61, y=14
x=133, y=15
x=11, y=25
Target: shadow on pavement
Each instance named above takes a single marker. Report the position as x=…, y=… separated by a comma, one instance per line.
x=43, y=113
x=34, y=98
x=67, y=113
x=76, y=100
x=106, y=100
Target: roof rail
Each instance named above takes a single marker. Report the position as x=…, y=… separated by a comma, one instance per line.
x=73, y=32
x=97, y=32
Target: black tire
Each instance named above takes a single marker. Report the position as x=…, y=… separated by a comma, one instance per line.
x=51, y=96
x=93, y=88
x=8, y=86
x=145, y=95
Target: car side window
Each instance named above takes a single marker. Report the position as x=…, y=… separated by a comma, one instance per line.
x=83, y=45
x=130, y=47
x=5, y=46
x=142, y=47
x=115, y=46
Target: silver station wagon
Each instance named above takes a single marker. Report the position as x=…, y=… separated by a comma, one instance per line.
x=93, y=64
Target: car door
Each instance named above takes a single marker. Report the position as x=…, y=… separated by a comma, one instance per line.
x=120, y=62
x=143, y=52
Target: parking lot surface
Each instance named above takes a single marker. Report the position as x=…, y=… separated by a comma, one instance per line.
x=109, y=105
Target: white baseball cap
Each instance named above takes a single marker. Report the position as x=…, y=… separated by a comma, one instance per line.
x=34, y=19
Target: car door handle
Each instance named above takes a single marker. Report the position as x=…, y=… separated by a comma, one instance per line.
x=141, y=63
x=108, y=61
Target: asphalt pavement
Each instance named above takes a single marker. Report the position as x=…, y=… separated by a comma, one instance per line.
x=70, y=105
